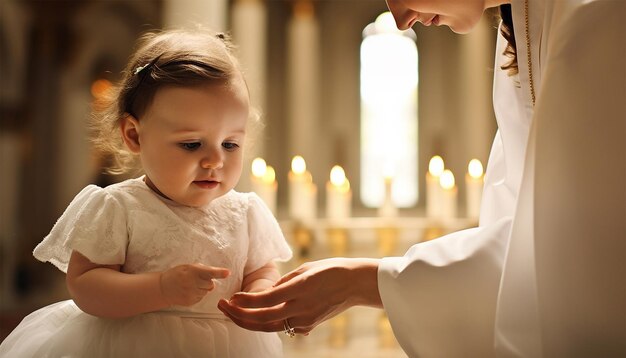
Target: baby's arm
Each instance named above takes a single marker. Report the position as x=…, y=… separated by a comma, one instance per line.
x=104, y=291
x=261, y=279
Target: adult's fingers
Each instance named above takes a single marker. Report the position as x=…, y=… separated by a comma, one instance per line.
x=258, y=315
x=288, y=276
x=273, y=326
x=277, y=325
x=281, y=292
x=270, y=297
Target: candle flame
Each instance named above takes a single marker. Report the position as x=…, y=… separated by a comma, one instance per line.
x=446, y=180
x=337, y=175
x=436, y=166
x=100, y=87
x=259, y=167
x=389, y=169
x=269, y=176
x=298, y=165
x=475, y=168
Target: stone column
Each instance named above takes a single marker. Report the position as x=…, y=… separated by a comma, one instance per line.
x=13, y=72
x=249, y=30
x=303, y=85
x=477, y=120
x=190, y=13
x=477, y=51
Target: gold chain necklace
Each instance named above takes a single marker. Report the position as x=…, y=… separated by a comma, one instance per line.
x=528, y=55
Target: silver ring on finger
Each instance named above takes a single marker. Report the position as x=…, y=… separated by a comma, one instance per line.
x=289, y=331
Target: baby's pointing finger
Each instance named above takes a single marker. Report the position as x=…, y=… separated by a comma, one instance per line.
x=209, y=272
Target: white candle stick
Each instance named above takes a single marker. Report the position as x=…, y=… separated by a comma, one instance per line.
x=474, y=188
x=302, y=191
x=433, y=189
x=338, y=195
x=264, y=183
x=448, y=195
x=388, y=209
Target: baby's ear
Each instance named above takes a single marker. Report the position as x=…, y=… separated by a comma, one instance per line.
x=130, y=133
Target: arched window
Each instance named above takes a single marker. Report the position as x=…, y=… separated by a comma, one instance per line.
x=389, y=83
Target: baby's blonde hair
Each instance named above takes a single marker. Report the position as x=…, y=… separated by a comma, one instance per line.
x=167, y=58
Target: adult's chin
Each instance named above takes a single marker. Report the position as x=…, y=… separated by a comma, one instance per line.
x=460, y=30
x=462, y=27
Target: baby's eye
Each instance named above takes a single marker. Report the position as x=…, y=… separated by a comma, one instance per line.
x=190, y=146
x=230, y=146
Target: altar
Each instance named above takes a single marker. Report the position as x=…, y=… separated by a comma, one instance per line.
x=336, y=230
x=359, y=331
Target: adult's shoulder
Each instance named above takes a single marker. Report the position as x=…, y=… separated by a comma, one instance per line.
x=583, y=16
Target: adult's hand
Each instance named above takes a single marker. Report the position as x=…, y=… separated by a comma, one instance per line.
x=307, y=296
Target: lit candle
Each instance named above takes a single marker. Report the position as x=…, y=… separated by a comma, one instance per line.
x=302, y=191
x=264, y=183
x=448, y=196
x=433, y=189
x=388, y=209
x=338, y=195
x=474, y=188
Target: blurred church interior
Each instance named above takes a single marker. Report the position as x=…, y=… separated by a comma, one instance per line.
x=328, y=93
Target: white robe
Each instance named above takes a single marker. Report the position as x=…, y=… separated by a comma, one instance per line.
x=441, y=297
x=563, y=291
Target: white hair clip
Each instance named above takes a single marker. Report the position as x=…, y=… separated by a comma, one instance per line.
x=140, y=68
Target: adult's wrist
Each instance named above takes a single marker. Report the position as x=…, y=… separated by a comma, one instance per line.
x=364, y=281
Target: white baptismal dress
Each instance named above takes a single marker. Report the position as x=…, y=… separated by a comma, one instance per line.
x=128, y=224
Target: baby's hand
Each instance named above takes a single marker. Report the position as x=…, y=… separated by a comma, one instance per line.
x=186, y=285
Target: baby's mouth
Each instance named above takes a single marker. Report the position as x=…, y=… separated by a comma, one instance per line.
x=206, y=184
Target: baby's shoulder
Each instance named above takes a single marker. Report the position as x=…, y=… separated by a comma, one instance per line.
x=232, y=203
x=239, y=201
x=118, y=197
x=128, y=192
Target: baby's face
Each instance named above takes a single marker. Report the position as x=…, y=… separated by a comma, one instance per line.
x=191, y=141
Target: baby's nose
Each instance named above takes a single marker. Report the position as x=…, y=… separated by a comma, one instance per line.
x=213, y=159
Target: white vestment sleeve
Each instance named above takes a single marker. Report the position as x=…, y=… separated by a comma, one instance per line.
x=580, y=184
x=441, y=296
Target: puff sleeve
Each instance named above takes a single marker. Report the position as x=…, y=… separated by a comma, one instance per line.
x=267, y=241
x=94, y=224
